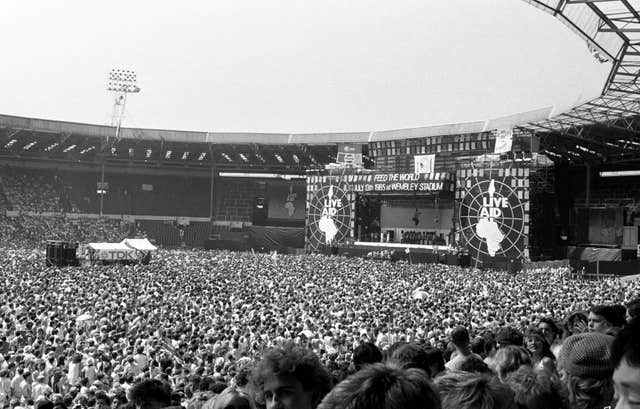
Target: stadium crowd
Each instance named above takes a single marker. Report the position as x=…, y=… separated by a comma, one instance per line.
x=242, y=330
x=20, y=232
x=25, y=191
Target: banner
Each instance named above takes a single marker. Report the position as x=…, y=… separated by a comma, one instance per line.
x=349, y=153
x=504, y=140
x=424, y=163
x=402, y=182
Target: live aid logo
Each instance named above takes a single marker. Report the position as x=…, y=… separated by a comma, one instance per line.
x=331, y=207
x=492, y=206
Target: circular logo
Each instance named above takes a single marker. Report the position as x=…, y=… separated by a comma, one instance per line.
x=492, y=220
x=329, y=215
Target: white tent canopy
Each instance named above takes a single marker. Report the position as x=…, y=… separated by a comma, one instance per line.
x=127, y=249
x=140, y=244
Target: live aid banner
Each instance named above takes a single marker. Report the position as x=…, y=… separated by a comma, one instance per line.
x=402, y=182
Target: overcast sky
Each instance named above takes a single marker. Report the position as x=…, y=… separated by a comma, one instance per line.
x=290, y=65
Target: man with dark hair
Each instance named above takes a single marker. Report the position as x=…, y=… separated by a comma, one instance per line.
x=384, y=386
x=411, y=356
x=366, y=353
x=551, y=333
x=606, y=319
x=291, y=377
x=150, y=394
x=460, y=340
x=435, y=358
x=633, y=309
x=509, y=336
x=473, y=364
x=625, y=357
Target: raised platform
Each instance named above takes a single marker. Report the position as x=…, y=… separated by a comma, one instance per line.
x=417, y=253
x=403, y=246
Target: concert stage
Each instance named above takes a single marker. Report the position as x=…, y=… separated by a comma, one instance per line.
x=413, y=253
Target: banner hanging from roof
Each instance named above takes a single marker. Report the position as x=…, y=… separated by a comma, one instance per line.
x=504, y=140
x=424, y=163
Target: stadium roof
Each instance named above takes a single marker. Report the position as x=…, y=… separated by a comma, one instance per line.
x=606, y=127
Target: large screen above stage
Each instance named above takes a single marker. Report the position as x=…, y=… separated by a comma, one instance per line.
x=286, y=201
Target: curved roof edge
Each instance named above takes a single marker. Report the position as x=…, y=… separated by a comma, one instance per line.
x=103, y=131
x=611, y=30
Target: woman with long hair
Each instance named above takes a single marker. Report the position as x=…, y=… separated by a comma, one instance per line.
x=540, y=350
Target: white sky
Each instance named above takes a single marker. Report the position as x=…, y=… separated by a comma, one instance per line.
x=290, y=65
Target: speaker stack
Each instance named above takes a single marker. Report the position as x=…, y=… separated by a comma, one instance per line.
x=61, y=253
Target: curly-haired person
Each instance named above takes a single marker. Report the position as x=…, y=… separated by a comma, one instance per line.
x=291, y=377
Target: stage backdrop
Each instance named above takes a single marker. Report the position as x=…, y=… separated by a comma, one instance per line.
x=429, y=218
x=331, y=199
x=493, y=212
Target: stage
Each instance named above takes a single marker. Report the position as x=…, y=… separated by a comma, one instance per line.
x=412, y=253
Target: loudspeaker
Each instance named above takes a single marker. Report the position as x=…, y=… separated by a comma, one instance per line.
x=61, y=254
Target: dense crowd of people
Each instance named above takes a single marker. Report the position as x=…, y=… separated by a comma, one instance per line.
x=222, y=329
x=20, y=232
x=26, y=191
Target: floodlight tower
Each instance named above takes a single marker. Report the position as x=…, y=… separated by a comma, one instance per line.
x=121, y=82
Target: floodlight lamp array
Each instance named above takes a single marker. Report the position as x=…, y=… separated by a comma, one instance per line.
x=122, y=81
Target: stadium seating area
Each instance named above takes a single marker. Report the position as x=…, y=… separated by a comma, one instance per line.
x=33, y=231
x=30, y=191
x=140, y=194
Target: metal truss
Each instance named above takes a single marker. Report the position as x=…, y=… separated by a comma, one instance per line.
x=607, y=127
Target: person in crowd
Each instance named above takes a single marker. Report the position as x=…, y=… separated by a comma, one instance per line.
x=468, y=390
x=490, y=347
x=551, y=333
x=537, y=389
x=24, y=391
x=366, y=353
x=625, y=359
x=474, y=364
x=633, y=309
x=460, y=340
x=291, y=377
x=509, y=336
x=435, y=360
x=586, y=368
x=411, y=355
x=233, y=398
x=40, y=388
x=606, y=319
x=540, y=350
x=150, y=394
x=384, y=386
x=509, y=359
x=575, y=323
